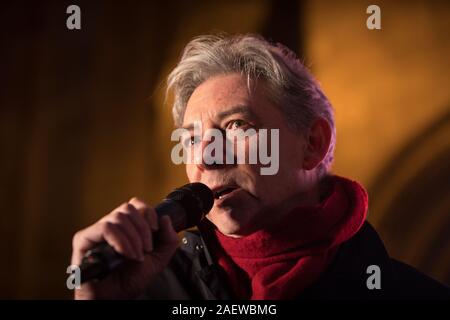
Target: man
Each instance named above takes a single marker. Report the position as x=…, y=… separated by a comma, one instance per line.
x=297, y=233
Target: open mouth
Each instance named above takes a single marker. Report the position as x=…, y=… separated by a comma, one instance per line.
x=223, y=191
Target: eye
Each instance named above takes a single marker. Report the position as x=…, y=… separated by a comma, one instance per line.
x=236, y=124
x=190, y=141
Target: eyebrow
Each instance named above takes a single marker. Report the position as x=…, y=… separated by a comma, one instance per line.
x=240, y=109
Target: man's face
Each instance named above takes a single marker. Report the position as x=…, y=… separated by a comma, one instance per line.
x=253, y=201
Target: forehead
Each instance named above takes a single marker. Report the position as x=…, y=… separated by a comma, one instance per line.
x=223, y=96
x=216, y=95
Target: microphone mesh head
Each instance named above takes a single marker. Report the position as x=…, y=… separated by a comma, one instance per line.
x=196, y=199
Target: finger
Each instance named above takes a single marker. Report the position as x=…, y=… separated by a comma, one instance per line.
x=117, y=239
x=85, y=240
x=139, y=204
x=168, y=240
x=148, y=212
x=123, y=221
x=143, y=227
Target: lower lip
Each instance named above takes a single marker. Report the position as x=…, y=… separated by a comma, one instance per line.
x=227, y=196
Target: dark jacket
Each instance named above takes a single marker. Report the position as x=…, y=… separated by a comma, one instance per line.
x=192, y=274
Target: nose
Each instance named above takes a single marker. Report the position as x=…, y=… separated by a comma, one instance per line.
x=209, y=156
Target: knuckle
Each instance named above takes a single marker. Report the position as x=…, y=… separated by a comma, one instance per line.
x=135, y=214
x=124, y=207
x=135, y=199
x=119, y=217
x=107, y=227
x=138, y=201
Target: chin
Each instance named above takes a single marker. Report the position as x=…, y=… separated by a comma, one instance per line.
x=226, y=224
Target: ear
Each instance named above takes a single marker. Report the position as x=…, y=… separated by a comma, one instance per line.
x=317, y=143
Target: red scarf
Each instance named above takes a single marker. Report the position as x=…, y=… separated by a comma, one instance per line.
x=281, y=263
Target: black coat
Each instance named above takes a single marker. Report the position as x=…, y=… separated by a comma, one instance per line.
x=192, y=274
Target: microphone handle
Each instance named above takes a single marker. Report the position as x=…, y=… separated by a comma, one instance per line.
x=175, y=211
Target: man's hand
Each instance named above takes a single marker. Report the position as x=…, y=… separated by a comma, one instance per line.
x=128, y=229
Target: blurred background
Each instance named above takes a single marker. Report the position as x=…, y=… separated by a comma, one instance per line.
x=83, y=125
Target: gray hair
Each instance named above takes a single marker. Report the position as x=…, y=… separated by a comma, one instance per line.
x=290, y=84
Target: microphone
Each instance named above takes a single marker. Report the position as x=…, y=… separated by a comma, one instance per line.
x=185, y=206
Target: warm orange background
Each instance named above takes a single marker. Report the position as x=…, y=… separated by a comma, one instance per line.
x=84, y=128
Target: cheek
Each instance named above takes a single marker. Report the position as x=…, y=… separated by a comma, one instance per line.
x=191, y=173
x=253, y=149
x=291, y=152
